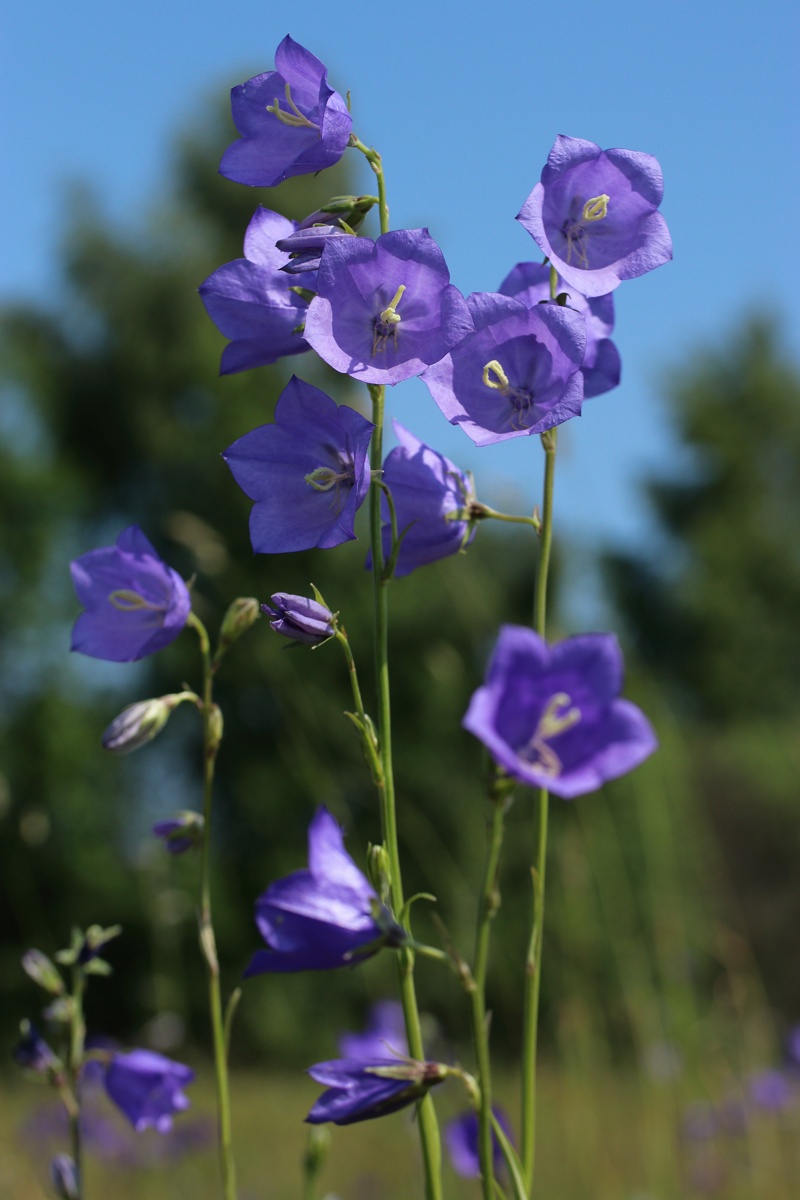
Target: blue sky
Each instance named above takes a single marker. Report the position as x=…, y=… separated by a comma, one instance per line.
x=464, y=101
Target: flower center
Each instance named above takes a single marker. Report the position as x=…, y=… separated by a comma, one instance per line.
x=129, y=601
x=293, y=117
x=386, y=323
x=595, y=209
x=520, y=399
x=326, y=479
x=556, y=718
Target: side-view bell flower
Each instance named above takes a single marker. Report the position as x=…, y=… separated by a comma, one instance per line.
x=551, y=716
x=135, y=604
x=291, y=122
x=147, y=1088
x=362, y=1089
x=324, y=917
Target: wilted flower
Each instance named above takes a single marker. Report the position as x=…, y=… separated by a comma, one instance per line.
x=300, y=619
x=135, y=604
x=385, y=310
x=181, y=832
x=147, y=1088
x=361, y=1089
x=323, y=917
x=461, y=1140
x=291, y=122
x=307, y=472
x=551, y=715
x=594, y=215
x=385, y=1034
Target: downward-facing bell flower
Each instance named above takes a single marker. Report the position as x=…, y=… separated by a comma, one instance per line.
x=324, y=917
x=291, y=121
x=308, y=472
x=362, y=1089
x=594, y=215
x=135, y=604
x=551, y=716
x=147, y=1088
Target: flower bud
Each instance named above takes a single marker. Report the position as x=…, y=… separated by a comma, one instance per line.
x=215, y=727
x=242, y=613
x=64, y=1177
x=137, y=725
x=32, y=1052
x=379, y=870
x=300, y=619
x=42, y=971
x=181, y=832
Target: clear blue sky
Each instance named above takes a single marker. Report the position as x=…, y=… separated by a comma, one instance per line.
x=464, y=101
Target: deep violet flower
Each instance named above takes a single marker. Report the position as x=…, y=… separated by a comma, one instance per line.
x=431, y=497
x=461, y=1140
x=361, y=1089
x=324, y=917
x=594, y=215
x=147, y=1088
x=291, y=122
x=299, y=618
x=530, y=283
x=308, y=472
x=385, y=310
x=181, y=832
x=385, y=1034
x=551, y=716
x=251, y=302
x=135, y=604
x=517, y=374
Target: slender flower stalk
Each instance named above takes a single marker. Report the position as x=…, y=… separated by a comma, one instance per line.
x=74, y=1063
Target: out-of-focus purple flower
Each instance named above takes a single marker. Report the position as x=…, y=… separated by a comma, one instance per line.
x=594, y=215
x=32, y=1052
x=135, y=604
x=385, y=310
x=308, y=472
x=305, y=247
x=517, y=374
x=699, y=1121
x=461, y=1140
x=385, y=1034
x=251, y=302
x=362, y=1089
x=323, y=917
x=551, y=716
x=181, y=832
x=431, y=498
x=291, y=122
x=147, y=1088
x=299, y=618
x=64, y=1177
x=793, y=1047
x=771, y=1090
x=601, y=367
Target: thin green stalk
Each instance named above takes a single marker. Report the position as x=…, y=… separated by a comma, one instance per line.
x=376, y=162
x=483, y=511
x=76, y=1043
x=212, y=733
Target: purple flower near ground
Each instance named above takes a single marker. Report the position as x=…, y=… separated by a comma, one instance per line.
x=431, y=496
x=551, y=716
x=299, y=618
x=594, y=215
x=517, y=374
x=135, y=604
x=180, y=833
x=601, y=367
x=291, y=122
x=385, y=1034
x=324, y=917
x=147, y=1088
x=308, y=472
x=771, y=1090
x=461, y=1140
x=64, y=1177
x=385, y=310
x=251, y=302
x=305, y=247
x=362, y=1089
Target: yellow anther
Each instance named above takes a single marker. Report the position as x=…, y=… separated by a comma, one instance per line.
x=389, y=316
x=556, y=718
x=127, y=601
x=295, y=118
x=500, y=382
x=596, y=208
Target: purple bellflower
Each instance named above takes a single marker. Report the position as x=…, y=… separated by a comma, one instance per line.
x=308, y=472
x=147, y=1088
x=362, y=1089
x=324, y=917
x=771, y=1090
x=594, y=215
x=461, y=1140
x=251, y=302
x=291, y=122
x=135, y=604
x=385, y=310
x=431, y=498
x=385, y=1034
x=601, y=368
x=517, y=374
x=551, y=716
x=299, y=618
x=181, y=832
x=305, y=247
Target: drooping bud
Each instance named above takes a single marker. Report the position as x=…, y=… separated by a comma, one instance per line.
x=242, y=613
x=300, y=619
x=43, y=971
x=350, y=209
x=379, y=870
x=180, y=832
x=137, y=725
x=64, y=1177
x=215, y=728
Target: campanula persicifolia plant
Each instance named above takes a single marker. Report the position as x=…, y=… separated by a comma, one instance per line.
x=379, y=308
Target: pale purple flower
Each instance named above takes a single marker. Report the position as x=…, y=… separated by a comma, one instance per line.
x=324, y=917
x=771, y=1090
x=299, y=618
x=135, y=604
x=461, y=1140
x=147, y=1088
x=291, y=122
x=251, y=302
x=308, y=472
x=517, y=374
x=362, y=1089
x=594, y=215
x=385, y=1034
x=385, y=310
x=305, y=247
x=64, y=1177
x=551, y=715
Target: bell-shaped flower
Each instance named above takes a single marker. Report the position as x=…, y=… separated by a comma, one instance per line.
x=361, y=1089
x=517, y=374
x=308, y=472
x=135, y=604
x=385, y=310
x=147, y=1088
x=324, y=917
x=291, y=122
x=251, y=300
x=299, y=618
x=551, y=716
x=594, y=215
x=385, y=1034
x=601, y=367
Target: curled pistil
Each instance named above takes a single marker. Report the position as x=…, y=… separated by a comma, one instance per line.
x=387, y=322
x=521, y=399
x=557, y=718
x=294, y=117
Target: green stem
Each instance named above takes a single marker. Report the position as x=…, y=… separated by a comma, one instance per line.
x=375, y=161
x=76, y=1043
x=481, y=511
x=211, y=739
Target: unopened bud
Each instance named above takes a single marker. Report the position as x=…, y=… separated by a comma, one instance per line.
x=215, y=728
x=181, y=832
x=43, y=971
x=137, y=725
x=64, y=1177
x=379, y=870
x=242, y=613
x=95, y=938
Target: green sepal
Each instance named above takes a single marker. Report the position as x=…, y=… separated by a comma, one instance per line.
x=97, y=966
